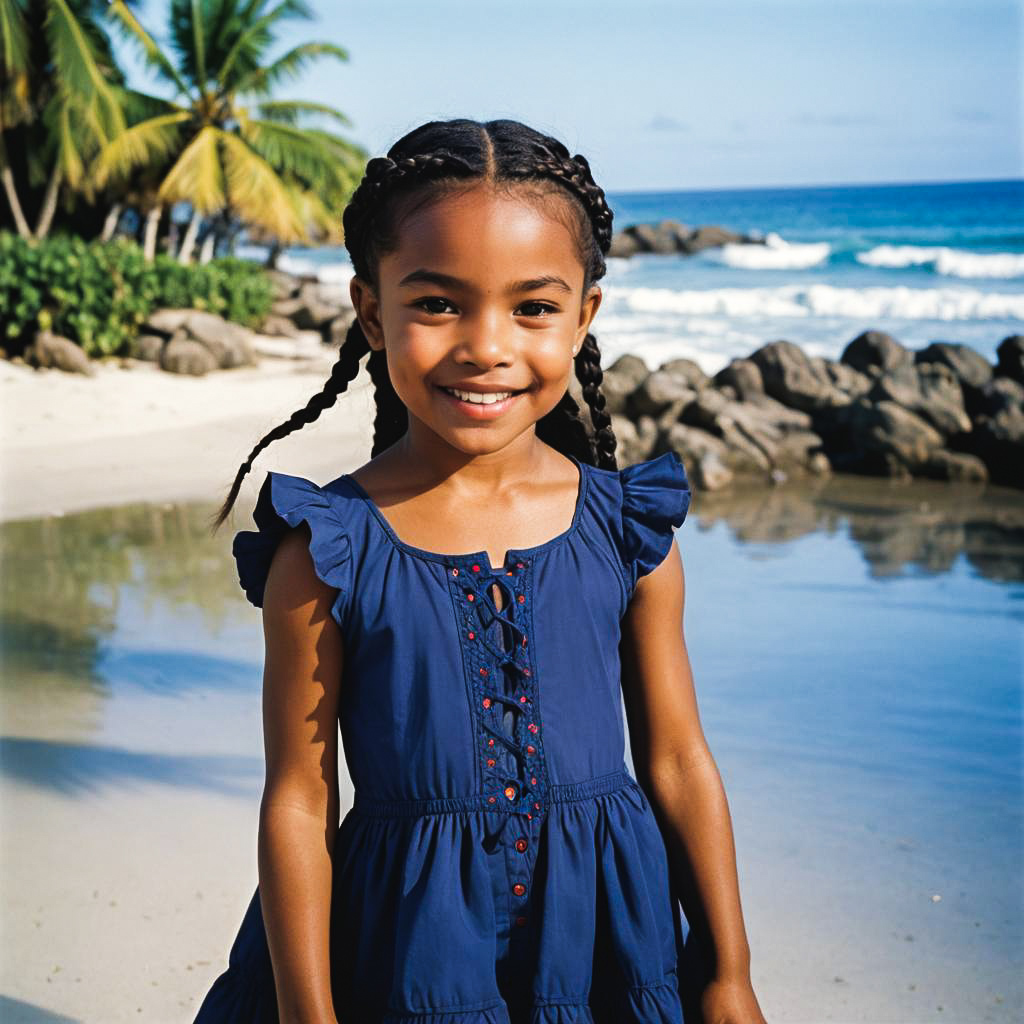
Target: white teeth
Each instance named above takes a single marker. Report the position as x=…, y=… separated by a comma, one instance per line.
x=478, y=399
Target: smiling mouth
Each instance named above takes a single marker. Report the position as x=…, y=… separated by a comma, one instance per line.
x=478, y=398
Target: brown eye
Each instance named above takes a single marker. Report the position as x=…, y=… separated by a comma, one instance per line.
x=434, y=304
x=537, y=309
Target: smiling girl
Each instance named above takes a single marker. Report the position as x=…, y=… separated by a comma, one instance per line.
x=473, y=604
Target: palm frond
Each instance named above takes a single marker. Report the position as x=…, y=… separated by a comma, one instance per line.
x=80, y=79
x=260, y=81
x=154, y=55
x=251, y=42
x=258, y=193
x=197, y=176
x=291, y=111
x=147, y=144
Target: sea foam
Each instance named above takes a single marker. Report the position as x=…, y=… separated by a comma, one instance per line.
x=775, y=254
x=798, y=300
x=946, y=261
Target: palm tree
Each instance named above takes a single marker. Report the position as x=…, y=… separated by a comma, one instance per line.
x=231, y=149
x=61, y=89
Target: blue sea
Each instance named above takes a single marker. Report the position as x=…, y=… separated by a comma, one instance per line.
x=927, y=262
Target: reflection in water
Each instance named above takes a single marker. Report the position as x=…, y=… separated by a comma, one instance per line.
x=926, y=524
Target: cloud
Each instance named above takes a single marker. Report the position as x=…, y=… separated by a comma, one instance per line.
x=665, y=123
x=834, y=120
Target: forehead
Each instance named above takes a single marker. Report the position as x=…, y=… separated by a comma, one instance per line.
x=487, y=231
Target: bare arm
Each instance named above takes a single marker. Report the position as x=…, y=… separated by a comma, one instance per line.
x=299, y=808
x=676, y=768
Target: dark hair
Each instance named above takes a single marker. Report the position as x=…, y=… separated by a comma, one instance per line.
x=432, y=161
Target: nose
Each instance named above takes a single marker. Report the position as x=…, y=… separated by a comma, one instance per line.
x=486, y=338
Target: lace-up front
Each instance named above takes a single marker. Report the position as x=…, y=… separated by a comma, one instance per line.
x=499, y=863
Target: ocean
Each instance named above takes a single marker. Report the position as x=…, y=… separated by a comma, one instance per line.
x=927, y=262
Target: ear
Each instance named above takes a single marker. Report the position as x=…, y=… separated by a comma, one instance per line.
x=367, y=307
x=588, y=310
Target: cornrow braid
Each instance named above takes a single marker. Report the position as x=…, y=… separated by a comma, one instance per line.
x=343, y=372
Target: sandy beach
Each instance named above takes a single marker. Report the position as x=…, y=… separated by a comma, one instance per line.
x=136, y=433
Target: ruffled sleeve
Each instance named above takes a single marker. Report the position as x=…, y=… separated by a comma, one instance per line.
x=285, y=501
x=655, y=500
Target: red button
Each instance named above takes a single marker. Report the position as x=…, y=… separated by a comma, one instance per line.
x=492, y=799
x=472, y=635
x=476, y=568
x=470, y=597
x=531, y=749
x=532, y=727
x=455, y=572
x=520, y=921
x=533, y=780
x=490, y=762
x=521, y=845
x=483, y=671
x=510, y=792
x=519, y=565
x=486, y=702
x=522, y=700
x=519, y=889
x=521, y=598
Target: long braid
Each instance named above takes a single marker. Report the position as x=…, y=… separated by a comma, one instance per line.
x=392, y=418
x=590, y=375
x=343, y=372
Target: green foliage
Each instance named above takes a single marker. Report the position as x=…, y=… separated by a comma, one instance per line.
x=99, y=293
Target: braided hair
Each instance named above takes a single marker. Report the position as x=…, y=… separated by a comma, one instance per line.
x=434, y=160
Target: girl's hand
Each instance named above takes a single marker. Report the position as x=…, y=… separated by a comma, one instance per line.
x=729, y=1001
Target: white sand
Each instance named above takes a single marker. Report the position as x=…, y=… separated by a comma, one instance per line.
x=72, y=442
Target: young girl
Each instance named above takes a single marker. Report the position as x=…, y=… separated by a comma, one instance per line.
x=471, y=604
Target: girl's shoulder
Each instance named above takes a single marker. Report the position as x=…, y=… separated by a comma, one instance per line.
x=642, y=504
x=283, y=502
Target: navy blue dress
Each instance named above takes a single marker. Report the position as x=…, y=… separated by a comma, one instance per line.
x=499, y=864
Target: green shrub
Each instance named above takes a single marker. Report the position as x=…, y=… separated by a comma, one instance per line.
x=98, y=293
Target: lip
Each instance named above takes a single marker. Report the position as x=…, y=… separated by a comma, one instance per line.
x=479, y=411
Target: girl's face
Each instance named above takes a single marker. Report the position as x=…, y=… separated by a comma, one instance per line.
x=483, y=294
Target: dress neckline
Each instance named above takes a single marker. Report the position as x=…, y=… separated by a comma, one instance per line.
x=479, y=556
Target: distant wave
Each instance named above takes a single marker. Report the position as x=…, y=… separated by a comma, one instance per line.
x=775, y=254
x=946, y=261
x=858, y=304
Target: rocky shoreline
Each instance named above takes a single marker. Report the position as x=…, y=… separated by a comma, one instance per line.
x=881, y=409
x=669, y=236
x=942, y=412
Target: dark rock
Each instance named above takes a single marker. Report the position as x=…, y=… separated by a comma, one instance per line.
x=184, y=355
x=998, y=434
x=686, y=370
x=969, y=366
x=875, y=352
x=51, y=351
x=230, y=343
x=147, y=347
x=931, y=390
x=666, y=236
x=335, y=332
x=623, y=245
x=1010, y=354
x=744, y=375
x=620, y=380
x=703, y=454
x=284, y=285
x=848, y=380
x=708, y=237
x=888, y=436
x=166, y=321
x=278, y=326
x=796, y=379
x=957, y=466
x=658, y=392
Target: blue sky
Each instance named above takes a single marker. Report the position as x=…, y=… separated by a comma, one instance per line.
x=663, y=94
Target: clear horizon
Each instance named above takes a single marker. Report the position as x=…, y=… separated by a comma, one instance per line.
x=689, y=95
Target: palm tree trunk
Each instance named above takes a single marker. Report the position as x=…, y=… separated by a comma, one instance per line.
x=49, y=207
x=188, y=243
x=149, y=239
x=110, y=224
x=13, y=201
x=207, y=248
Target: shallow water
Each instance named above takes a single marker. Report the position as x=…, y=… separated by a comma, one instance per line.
x=857, y=649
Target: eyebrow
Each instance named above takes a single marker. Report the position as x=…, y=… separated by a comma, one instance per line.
x=424, y=276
